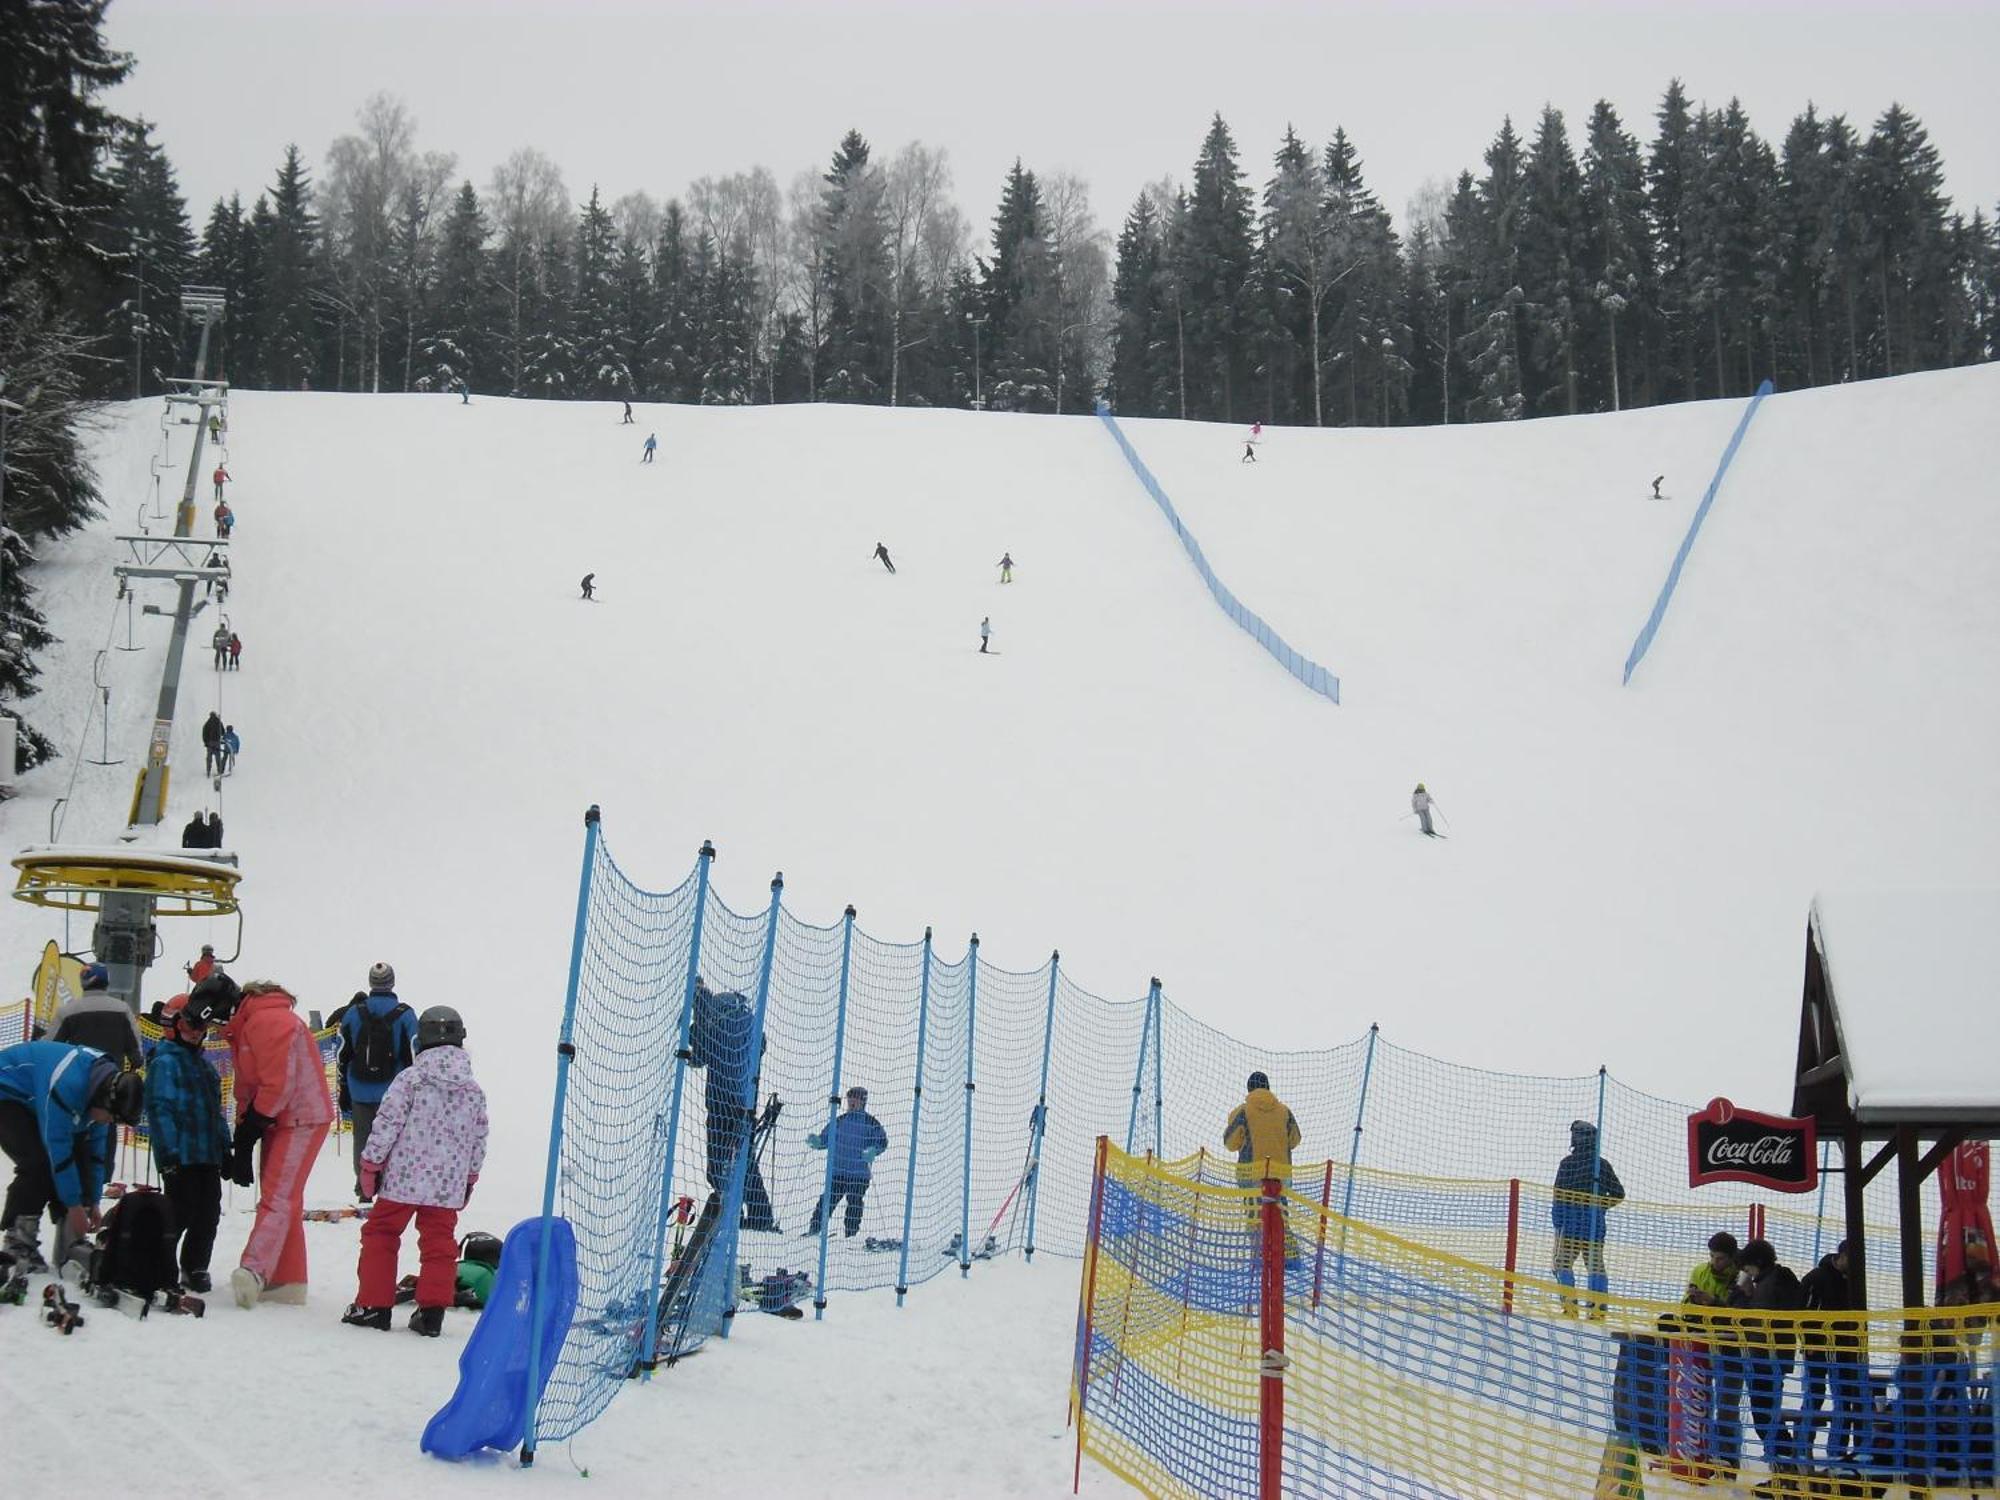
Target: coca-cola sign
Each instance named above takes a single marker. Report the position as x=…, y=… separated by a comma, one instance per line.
x=1727, y=1144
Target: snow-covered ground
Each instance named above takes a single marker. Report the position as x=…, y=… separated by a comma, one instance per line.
x=427, y=708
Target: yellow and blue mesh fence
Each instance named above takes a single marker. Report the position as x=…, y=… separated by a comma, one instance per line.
x=1412, y=1370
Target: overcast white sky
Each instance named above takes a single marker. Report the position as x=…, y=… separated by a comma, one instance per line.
x=651, y=96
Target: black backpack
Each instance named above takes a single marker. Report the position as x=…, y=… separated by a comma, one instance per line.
x=375, y=1057
x=135, y=1248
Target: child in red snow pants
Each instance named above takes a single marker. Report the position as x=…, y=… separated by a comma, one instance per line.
x=437, y=1252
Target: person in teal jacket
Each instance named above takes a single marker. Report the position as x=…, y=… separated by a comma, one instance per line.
x=57, y=1105
x=189, y=1136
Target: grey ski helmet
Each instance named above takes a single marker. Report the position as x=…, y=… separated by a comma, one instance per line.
x=440, y=1026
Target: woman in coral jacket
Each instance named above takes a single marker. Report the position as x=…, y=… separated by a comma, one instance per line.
x=283, y=1107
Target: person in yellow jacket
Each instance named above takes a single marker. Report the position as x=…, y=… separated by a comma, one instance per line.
x=1262, y=1133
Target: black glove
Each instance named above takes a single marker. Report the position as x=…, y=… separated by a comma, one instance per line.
x=243, y=1149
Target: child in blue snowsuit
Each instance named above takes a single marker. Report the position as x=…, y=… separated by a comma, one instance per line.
x=190, y=1140
x=855, y=1139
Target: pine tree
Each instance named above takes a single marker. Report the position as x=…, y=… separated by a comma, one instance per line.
x=1902, y=180
x=1016, y=299
x=1298, y=250
x=549, y=354
x=1369, y=339
x=855, y=274
x=1492, y=342
x=55, y=142
x=1136, y=387
x=1673, y=174
x=601, y=370
x=227, y=260
x=458, y=349
x=1550, y=276
x=287, y=335
x=1615, y=260
x=146, y=249
x=1214, y=271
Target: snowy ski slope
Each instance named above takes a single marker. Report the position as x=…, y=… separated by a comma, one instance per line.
x=427, y=708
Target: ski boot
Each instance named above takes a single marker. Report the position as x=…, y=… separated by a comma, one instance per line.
x=428, y=1321
x=358, y=1316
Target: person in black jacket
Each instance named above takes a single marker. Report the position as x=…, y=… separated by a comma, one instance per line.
x=195, y=835
x=211, y=740
x=215, y=830
x=1830, y=1362
x=1758, y=1357
x=882, y=552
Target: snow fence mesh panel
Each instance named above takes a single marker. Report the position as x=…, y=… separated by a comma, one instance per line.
x=1410, y=1371
x=612, y=1150
x=1458, y=1159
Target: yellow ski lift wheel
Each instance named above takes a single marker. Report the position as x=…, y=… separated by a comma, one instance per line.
x=80, y=879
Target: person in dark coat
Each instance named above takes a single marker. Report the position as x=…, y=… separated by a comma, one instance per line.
x=195, y=835
x=882, y=552
x=854, y=1140
x=1758, y=1358
x=1830, y=1362
x=589, y=583
x=722, y=1037
x=190, y=1139
x=1586, y=1186
x=215, y=830
x=211, y=740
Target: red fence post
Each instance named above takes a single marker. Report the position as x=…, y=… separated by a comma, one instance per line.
x=1319, y=1256
x=1513, y=1244
x=1271, y=1367
x=1089, y=1305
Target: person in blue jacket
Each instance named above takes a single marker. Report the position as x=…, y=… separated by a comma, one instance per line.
x=1585, y=1187
x=378, y=1039
x=190, y=1138
x=57, y=1105
x=856, y=1138
x=722, y=1035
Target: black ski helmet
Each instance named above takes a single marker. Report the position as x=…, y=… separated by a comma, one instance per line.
x=440, y=1026
x=482, y=1247
x=124, y=1096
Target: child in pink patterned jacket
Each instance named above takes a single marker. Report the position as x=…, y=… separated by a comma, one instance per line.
x=422, y=1159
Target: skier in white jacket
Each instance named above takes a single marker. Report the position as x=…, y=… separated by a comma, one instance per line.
x=1420, y=804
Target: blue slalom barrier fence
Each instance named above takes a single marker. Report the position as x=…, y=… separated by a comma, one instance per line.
x=682, y=1014
x=1652, y=625
x=1308, y=671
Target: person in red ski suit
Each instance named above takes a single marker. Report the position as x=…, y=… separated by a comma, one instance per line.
x=283, y=1111
x=422, y=1160
x=221, y=478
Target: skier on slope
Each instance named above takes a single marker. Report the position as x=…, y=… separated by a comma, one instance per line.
x=589, y=582
x=883, y=553
x=1421, y=803
x=1006, y=567
x=1249, y=452
x=985, y=632
x=652, y=442
x=1658, y=480
x=628, y=415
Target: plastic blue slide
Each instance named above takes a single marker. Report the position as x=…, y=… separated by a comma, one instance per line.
x=486, y=1410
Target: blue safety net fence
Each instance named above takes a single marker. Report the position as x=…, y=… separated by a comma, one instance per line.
x=704, y=1113
x=1303, y=667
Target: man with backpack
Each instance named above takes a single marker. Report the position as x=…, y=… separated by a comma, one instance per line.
x=378, y=1039
x=190, y=1137
x=211, y=742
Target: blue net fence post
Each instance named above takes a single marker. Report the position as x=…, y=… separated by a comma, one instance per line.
x=729, y=1227
x=1139, y=1070
x=1159, y=1073
x=650, y=1358
x=965, y=1175
x=833, y=1113
x=916, y=1117
x=1041, y=1120
x=565, y=1050
x=1354, y=1147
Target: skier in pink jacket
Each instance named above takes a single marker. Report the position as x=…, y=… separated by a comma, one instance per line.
x=283, y=1107
x=422, y=1159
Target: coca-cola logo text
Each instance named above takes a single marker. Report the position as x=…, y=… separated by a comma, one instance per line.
x=1727, y=1144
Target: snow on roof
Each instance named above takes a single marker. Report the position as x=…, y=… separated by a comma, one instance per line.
x=1915, y=981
